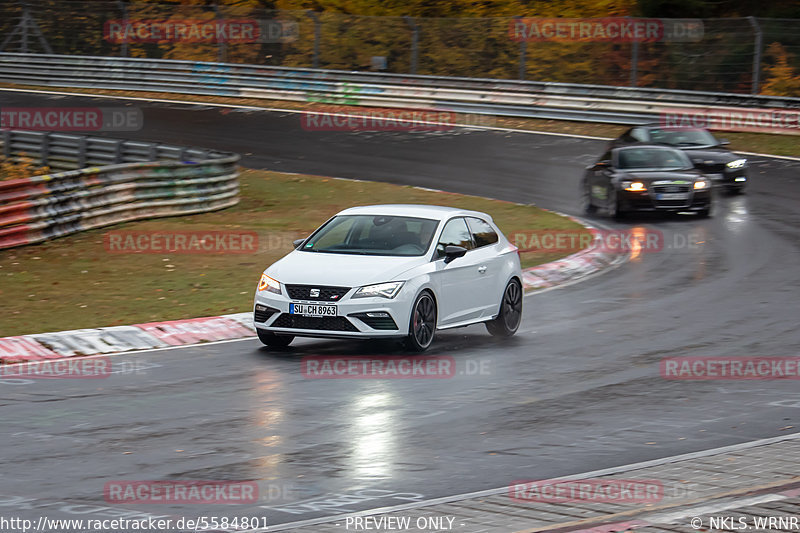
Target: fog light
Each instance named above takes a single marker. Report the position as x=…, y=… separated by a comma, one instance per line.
x=378, y=315
x=740, y=179
x=260, y=307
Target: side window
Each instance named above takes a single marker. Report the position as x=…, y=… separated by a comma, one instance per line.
x=482, y=232
x=455, y=233
x=640, y=134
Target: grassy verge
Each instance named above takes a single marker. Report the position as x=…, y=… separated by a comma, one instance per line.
x=748, y=142
x=74, y=282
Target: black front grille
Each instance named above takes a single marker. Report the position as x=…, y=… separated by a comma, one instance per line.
x=262, y=313
x=716, y=168
x=327, y=323
x=376, y=322
x=328, y=294
x=670, y=188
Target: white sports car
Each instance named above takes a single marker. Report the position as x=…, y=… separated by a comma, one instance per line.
x=392, y=271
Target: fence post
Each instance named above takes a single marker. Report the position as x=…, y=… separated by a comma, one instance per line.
x=25, y=17
x=221, y=45
x=124, y=8
x=315, y=58
x=523, y=52
x=759, y=38
x=414, y=42
x=634, y=61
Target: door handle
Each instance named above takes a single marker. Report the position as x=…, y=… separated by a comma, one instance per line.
x=481, y=269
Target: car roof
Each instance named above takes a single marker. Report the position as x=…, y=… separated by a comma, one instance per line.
x=651, y=125
x=646, y=145
x=436, y=212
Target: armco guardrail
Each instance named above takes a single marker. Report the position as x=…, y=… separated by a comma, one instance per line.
x=592, y=103
x=175, y=181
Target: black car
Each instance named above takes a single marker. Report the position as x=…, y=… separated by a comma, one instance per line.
x=706, y=151
x=645, y=178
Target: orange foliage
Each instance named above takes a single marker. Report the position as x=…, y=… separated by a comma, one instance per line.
x=21, y=167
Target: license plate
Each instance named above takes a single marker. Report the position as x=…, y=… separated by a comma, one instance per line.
x=672, y=196
x=715, y=176
x=312, y=310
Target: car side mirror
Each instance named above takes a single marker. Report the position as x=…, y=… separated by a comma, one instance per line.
x=605, y=163
x=723, y=142
x=298, y=242
x=452, y=252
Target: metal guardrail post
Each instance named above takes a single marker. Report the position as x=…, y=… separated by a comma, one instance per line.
x=152, y=152
x=414, y=42
x=523, y=52
x=6, y=143
x=315, y=58
x=118, y=151
x=44, y=151
x=82, y=152
x=759, y=39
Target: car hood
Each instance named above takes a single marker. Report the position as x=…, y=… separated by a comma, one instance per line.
x=343, y=270
x=650, y=176
x=709, y=156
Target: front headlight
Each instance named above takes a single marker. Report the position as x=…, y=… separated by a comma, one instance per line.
x=736, y=163
x=268, y=284
x=383, y=290
x=633, y=186
x=701, y=184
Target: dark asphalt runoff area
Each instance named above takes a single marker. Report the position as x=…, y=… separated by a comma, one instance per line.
x=578, y=389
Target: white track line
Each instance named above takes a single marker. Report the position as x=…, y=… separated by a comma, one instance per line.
x=503, y=490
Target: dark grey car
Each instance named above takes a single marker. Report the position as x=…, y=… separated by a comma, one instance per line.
x=645, y=178
x=706, y=152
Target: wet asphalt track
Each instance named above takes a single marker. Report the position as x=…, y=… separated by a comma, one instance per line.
x=577, y=390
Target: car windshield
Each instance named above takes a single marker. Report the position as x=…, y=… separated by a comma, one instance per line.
x=653, y=159
x=682, y=137
x=373, y=235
